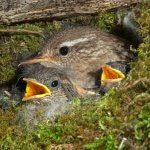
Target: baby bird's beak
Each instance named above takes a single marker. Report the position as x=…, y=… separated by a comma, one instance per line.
x=38, y=59
x=35, y=90
x=83, y=92
x=110, y=75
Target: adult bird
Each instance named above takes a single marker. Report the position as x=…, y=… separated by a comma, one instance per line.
x=82, y=52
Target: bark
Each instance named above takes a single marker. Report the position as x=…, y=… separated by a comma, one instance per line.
x=13, y=11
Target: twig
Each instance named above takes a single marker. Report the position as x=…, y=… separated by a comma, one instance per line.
x=137, y=82
x=21, y=31
x=7, y=93
x=125, y=141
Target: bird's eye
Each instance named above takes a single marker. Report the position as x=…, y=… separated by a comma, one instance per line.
x=64, y=50
x=54, y=84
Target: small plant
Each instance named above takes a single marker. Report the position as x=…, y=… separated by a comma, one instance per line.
x=106, y=142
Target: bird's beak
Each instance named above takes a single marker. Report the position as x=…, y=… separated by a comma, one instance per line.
x=38, y=59
x=111, y=75
x=35, y=90
x=83, y=92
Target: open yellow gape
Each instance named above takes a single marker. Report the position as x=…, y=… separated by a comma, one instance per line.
x=110, y=74
x=35, y=90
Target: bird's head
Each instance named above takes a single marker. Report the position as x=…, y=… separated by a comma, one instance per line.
x=67, y=47
x=46, y=84
x=47, y=94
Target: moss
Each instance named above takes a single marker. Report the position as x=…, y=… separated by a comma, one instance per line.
x=12, y=46
x=45, y=133
x=106, y=21
x=144, y=21
x=107, y=143
x=10, y=51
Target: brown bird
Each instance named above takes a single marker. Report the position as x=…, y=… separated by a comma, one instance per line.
x=82, y=52
x=47, y=94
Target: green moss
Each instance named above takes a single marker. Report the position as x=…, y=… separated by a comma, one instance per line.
x=14, y=45
x=142, y=128
x=107, y=143
x=144, y=21
x=10, y=51
x=106, y=21
x=45, y=134
x=15, y=136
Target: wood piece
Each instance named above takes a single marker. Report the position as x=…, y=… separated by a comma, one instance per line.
x=13, y=11
x=21, y=31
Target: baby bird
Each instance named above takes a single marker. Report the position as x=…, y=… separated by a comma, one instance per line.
x=82, y=52
x=47, y=94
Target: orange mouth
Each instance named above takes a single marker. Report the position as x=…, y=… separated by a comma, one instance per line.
x=111, y=74
x=35, y=90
